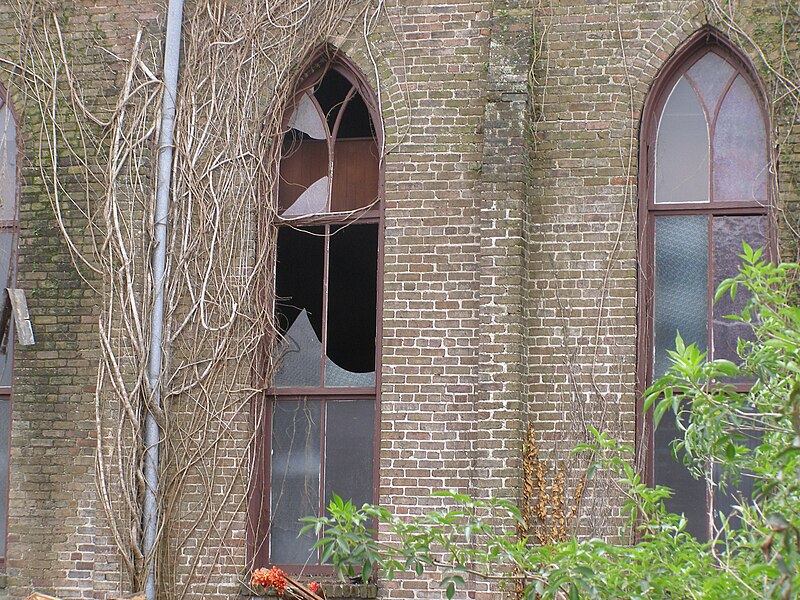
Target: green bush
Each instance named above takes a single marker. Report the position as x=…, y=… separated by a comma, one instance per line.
x=755, y=556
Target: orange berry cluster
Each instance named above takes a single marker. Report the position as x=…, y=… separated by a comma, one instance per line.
x=271, y=578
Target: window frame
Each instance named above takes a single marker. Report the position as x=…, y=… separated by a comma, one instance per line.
x=702, y=42
x=259, y=517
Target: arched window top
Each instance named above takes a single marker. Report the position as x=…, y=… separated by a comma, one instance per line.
x=330, y=153
x=8, y=160
x=711, y=133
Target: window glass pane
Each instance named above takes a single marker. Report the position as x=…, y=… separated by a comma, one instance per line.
x=298, y=305
x=349, y=450
x=355, y=174
x=5, y=426
x=740, y=147
x=711, y=75
x=294, y=479
x=689, y=498
x=7, y=260
x=729, y=232
x=306, y=118
x=8, y=165
x=352, y=289
x=681, y=286
x=303, y=185
x=682, y=148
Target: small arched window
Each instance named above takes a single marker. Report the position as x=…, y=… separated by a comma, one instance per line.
x=706, y=188
x=321, y=422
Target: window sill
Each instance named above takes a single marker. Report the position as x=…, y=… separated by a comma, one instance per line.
x=340, y=591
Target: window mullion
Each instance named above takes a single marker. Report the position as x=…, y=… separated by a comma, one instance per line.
x=326, y=252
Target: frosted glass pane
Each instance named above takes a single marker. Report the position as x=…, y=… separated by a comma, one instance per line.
x=313, y=200
x=349, y=450
x=294, y=479
x=689, y=498
x=740, y=147
x=300, y=352
x=728, y=233
x=711, y=75
x=306, y=118
x=8, y=165
x=681, y=290
x=682, y=149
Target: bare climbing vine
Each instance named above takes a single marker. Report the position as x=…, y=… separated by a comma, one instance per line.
x=240, y=63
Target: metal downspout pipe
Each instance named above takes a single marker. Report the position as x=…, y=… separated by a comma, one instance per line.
x=152, y=434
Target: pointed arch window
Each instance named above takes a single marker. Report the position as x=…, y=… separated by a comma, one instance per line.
x=320, y=425
x=705, y=190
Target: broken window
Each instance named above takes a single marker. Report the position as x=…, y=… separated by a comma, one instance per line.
x=320, y=421
x=707, y=192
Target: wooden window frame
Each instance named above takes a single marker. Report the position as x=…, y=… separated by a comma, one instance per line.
x=705, y=40
x=261, y=409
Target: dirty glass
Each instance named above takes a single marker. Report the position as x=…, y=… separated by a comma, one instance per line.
x=349, y=450
x=710, y=76
x=8, y=165
x=306, y=118
x=294, y=477
x=682, y=149
x=740, y=147
x=728, y=234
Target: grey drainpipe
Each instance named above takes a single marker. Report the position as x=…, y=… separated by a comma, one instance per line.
x=172, y=52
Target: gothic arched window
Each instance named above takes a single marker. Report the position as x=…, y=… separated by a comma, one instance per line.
x=320, y=426
x=705, y=189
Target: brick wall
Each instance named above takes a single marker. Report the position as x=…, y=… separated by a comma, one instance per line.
x=510, y=275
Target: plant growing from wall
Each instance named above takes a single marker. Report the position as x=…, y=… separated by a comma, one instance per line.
x=755, y=434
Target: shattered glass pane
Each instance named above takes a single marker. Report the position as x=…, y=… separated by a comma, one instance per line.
x=682, y=148
x=300, y=352
x=681, y=294
x=711, y=75
x=8, y=165
x=312, y=201
x=295, y=479
x=352, y=290
x=298, y=306
x=349, y=450
x=740, y=147
x=304, y=164
x=306, y=118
